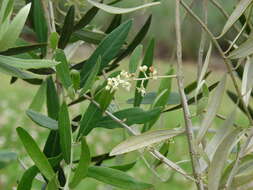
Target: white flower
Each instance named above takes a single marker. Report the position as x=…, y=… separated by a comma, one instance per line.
x=142, y=90
x=143, y=68
x=120, y=80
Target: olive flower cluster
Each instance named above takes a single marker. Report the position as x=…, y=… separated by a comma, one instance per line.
x=124, y=80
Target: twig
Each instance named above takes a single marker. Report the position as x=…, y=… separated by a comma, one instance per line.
x=186, y=111
x=154, y=152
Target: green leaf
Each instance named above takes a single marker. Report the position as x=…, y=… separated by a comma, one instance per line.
x=93, y=113
x=218, y=138
x=39, y=23
x=53, y=184
x=54, y=40
x=213, y=107
x=39, y=98
x=219, y=159
x=116, y=178
x=6, y=10
x=116, y=10
x=237, y=13
x=135, y=42
x=52, y=146
x=26, y=181
x=86, y=19
x=65, y=133
x=130, y=116
x=244, y=50
x=42, y=120
x=67, y=28
x=6, y=157
x=92, y=77
x=247, y=82
x=53, y=103
x=135, y=58
x=23, y=49
x=107, y=49
x=204, y=70
x=15, y=72
x=124, y=167
x=148, y=61
x=75, y=77
x=26, y=63
x=164, y=93
x=36, y=155
x=145, y=139
x=27, y=178
x=88, y=36
x=116, y=21
x=62, y=69
x=8, y=39
x=82, y=168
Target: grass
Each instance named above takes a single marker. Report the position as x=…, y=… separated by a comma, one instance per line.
x=14, y=100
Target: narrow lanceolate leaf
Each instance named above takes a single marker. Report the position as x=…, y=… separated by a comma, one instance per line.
x=161, y=100
x=23, y=49
x=26, y=63
x=124, y=167
x=75, y=77
x=27, y=179
x=89, y=36
x=8, y=39
x=5, y=9
x=116, y=10
x=204, y=69
x=86, y=19
x=136, y=41
x=148, y=61
x=35, y=153
x=52, y=184
x=65, y=133
x=116, y=178
x=116, y=21
x=247, y=82
x=218, y=138
x=219, y=160
x=53, y=104
x=39, y=23
x=62, y=69
x=92, y=77
x=130, y=116
x=67, y=29
x=52, y=146
x=237, y=13
x=82, y=168
x=244, y=50
x=42, y=120
x=108, y=49
x=25, y=182
x=144, y=140
x=135, y=58
x=93, y=114
x=15, y=72
x=212, y=109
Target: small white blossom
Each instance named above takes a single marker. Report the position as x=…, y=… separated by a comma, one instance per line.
x=121, y=80
x=142, y=90
x=143, y=68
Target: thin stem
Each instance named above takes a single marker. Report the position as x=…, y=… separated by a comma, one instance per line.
x=154, y=152
x=157, y=77
x=186, y=111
